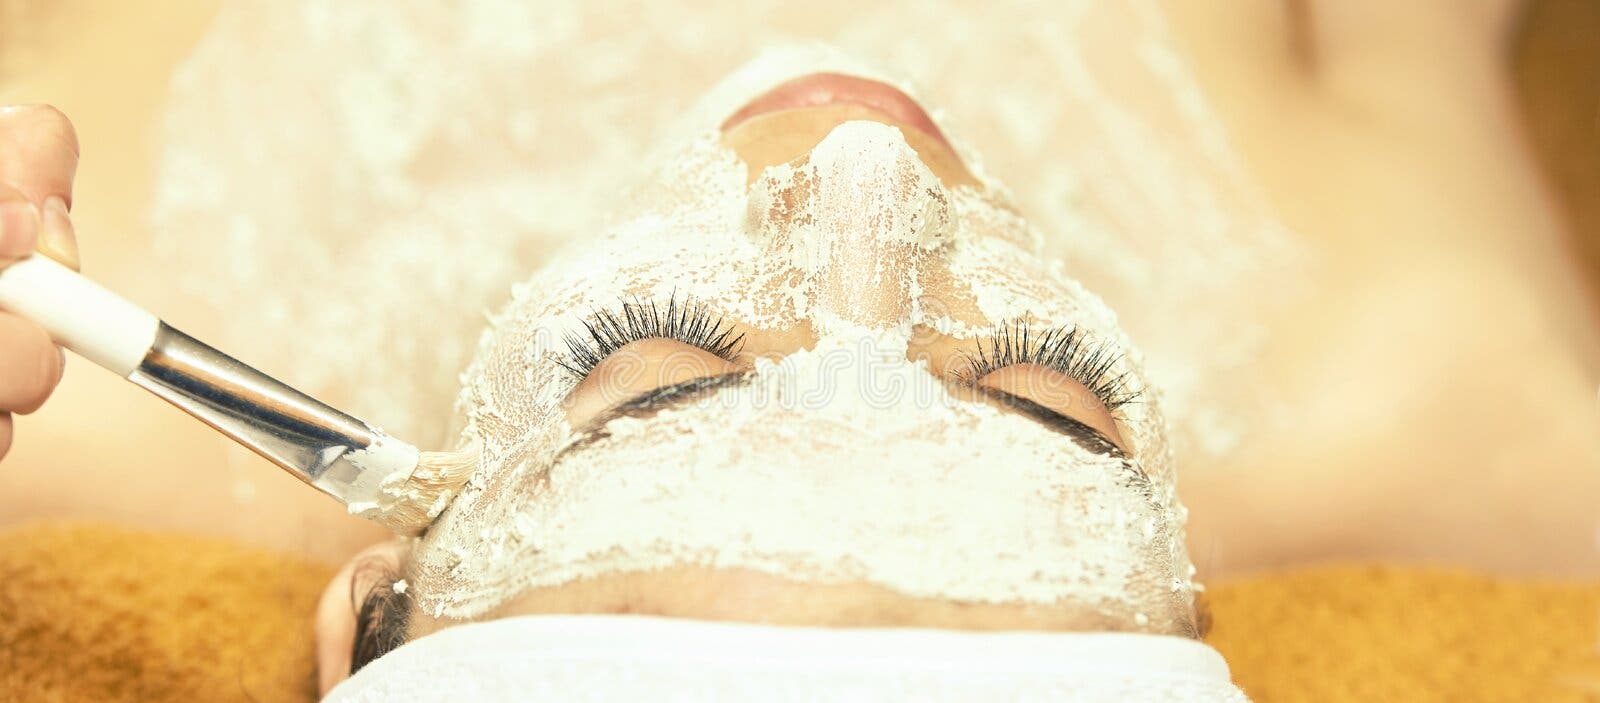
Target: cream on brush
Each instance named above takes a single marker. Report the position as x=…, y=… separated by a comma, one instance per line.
x=376, y=476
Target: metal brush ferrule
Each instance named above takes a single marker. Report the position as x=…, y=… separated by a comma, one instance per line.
x=312, y=440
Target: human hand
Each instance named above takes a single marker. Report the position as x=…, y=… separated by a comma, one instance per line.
x=38, y=157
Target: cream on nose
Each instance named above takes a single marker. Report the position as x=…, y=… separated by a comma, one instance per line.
x=857, y=217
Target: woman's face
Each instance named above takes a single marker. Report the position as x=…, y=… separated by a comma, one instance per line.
x=811, y=371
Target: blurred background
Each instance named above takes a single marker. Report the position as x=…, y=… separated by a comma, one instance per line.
x=1413, y=190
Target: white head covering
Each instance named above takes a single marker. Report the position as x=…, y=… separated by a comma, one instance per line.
x=634, y=658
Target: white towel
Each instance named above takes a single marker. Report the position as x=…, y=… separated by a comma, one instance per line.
x=638, y=658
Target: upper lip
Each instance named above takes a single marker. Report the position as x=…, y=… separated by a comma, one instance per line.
x=821, y=89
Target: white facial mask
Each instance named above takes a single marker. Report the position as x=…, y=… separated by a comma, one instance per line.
x=845, y=462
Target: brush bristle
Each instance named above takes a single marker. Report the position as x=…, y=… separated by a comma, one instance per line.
x=437, y=479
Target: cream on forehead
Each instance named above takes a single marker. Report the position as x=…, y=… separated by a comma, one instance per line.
x=809, y=474
x=859, y=219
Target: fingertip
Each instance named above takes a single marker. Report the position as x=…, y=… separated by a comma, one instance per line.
x=44, y=121
x=31, y=366
x=42, y=148
x=43, y=113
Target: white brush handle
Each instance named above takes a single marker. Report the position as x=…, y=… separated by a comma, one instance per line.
x=78, y=313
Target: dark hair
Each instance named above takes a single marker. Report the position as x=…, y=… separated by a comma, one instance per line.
x=1202, y=616
x=382, y=618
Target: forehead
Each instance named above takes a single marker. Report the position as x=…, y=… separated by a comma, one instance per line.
x=823, y=486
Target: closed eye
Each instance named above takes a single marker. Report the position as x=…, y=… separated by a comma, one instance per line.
x=637, y=370
x=1061, y=370
x=1080, y=432
x=638, y=347
x=609, y=330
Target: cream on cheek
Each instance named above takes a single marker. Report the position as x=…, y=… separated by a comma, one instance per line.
x=844, y=461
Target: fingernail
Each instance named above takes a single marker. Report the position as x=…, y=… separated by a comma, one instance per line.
x=56, y=238
x=19, y=228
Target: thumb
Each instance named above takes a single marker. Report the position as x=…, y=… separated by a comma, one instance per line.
x=38, y=158
x=19, y=225
x=57, y=239
x=26, y=228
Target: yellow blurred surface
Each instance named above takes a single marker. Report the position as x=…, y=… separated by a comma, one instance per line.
x=109, y=614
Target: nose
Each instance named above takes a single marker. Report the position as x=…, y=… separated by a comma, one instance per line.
x=867, y=213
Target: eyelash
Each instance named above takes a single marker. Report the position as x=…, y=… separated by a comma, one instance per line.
x=1067, y=350
x=608, y=330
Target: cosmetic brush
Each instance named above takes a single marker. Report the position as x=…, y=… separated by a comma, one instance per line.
x=374, y=475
